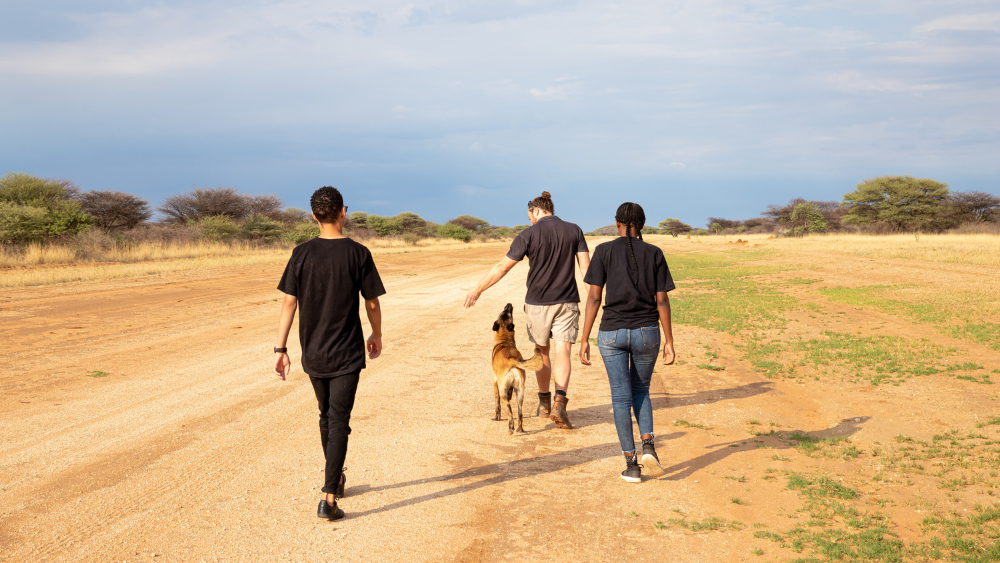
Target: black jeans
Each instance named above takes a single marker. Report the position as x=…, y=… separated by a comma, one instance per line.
x=335, y=396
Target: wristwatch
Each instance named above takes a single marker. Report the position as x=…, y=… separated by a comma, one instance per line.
x=280, y=350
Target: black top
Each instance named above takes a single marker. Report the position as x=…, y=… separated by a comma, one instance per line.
x=630, y=296
x=326, y=276
x=551, y=245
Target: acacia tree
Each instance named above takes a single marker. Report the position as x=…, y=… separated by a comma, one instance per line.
x=115, y=210
x=901, y=202
x=674, y=226
x=808, y=218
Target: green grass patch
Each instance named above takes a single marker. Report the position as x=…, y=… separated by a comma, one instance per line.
x=711, y=367
x=709, y=524
x=96, y=373
x=995, y=420
x=687, y=424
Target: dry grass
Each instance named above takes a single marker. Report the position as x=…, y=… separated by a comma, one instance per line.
x=977, y=249
x=43, y=265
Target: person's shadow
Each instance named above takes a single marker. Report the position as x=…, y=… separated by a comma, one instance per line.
x=503, y=472
x=599, y=414
x=776, y=440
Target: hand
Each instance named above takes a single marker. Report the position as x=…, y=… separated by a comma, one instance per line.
x=374, y=347
x=668, y=354
x=282, y=365
x=472, y=297
x=585, y=352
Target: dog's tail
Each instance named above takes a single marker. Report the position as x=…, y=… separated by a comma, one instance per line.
x=534, y=363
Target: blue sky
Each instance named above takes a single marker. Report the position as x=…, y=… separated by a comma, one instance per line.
x=691, y=108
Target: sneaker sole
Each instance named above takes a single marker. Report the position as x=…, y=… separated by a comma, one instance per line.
x=632, y=479
x=652, y=466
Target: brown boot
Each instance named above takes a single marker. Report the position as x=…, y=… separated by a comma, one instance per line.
x=559, y=415
x=544, y=405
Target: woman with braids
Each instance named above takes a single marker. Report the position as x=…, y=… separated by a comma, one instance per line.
x=637, y=280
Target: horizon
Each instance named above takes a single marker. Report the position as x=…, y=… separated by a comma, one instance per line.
x=692, y=110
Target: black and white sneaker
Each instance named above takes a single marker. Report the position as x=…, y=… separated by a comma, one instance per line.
x=633, y=471
x=649, y=460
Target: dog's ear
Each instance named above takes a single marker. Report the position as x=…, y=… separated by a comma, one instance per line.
x=496, y=326
x=510, y=327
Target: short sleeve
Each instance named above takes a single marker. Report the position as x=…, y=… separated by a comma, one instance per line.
x=289, y=283
x=582, y=245
x=371, y=282
x=597, y=273
x=664, y=281
x=518, y=248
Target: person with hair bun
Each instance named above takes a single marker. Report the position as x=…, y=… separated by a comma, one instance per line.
x=552, y=304
x=637, y=280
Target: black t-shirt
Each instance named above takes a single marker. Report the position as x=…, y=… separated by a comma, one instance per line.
x=551, y=245
x=630, y=296
x=326, y=276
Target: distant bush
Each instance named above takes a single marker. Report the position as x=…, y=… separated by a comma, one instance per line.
x=219, y=228
x=674, y=226
x=384, y=226
x=451, y=230
x=470, y=223
x=114, y=210
x=35, y=209
x=650, y=231
x=257, y=227
x=226, y=202
x=518, y=228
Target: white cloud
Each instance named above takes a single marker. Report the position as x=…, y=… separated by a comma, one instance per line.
x=962, y=22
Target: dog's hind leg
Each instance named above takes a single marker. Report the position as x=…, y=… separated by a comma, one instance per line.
x=508, y=392
x=496, y=393
x=519, y=390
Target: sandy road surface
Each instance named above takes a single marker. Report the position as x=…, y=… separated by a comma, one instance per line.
x=190, y=450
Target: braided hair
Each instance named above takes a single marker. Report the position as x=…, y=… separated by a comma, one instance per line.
x=631, y=215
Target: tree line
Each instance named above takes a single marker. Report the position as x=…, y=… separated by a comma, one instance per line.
x=34, y=209
x=886, y=204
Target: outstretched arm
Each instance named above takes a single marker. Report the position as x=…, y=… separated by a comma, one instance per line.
x=594, y=296
x=496, y=274
x=282, y=365
x=374, y=344
x=663, y=307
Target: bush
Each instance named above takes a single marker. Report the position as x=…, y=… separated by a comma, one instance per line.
x=518, y=228
x=674, y=226
x=211, y=202
x=900, y=202
x=410, y=222
x=219, y=228
x=650, y=231
x=451, y=230
x=115, y=210
x=384, y=226
x=20, y=224
x=301, y=232
x=410, y=238
x=469, y=222
x=260, y=228
x=60, y=215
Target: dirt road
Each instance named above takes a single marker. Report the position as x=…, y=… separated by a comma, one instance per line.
x=189, y=449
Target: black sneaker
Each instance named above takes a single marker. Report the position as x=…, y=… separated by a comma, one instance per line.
x=324, y=510
x=632, y=473
x=649, y=459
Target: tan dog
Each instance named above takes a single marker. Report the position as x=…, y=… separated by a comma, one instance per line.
x=509, y=366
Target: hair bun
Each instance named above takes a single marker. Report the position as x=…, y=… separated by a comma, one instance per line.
x=546, y=195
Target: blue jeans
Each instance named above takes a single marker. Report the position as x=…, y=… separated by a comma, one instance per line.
x=629, y=356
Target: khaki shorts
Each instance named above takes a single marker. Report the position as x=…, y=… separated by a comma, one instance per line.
x=557, y=322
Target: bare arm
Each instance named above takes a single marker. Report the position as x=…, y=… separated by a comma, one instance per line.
x=663, y=307
x=583, y=259
x=594, y=296
x=282, y=365
x=374, y=344
x=496, y=274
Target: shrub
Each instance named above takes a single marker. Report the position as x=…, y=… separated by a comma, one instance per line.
x=219, y=228
x=451, y=230
x=260, y=228
x=384, y=226
x=806, y=217
x=901, y=202
x=410, y=222
x=60, y=215
x=469, y=222
x=518, y=228
x=20, y=224
x=410, y=238
x=202, y=203
x=650, y=231
x=114, y=210
x=357, y=220
x=301, y=232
